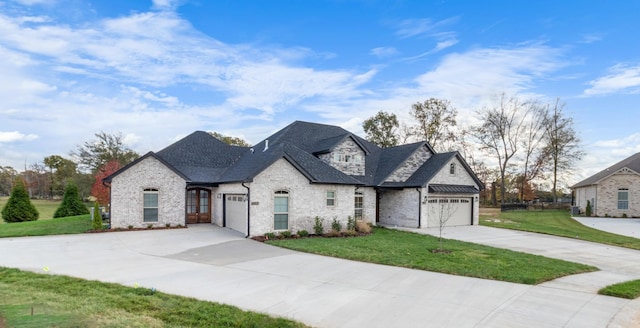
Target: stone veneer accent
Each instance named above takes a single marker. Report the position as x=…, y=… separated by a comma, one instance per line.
x=410, y=165
x=605, y=194
x=127, y=195
x=346, y=147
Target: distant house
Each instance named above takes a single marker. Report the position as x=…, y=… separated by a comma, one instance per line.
x=282, y=183
x=614, y=191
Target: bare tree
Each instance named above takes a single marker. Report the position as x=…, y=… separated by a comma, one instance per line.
x=562, y=143
x=500, y=132
x=440, y=214
x=382, y=129
x=535, y=154
x=436, y=120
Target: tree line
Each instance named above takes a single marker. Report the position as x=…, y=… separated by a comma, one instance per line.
x=516, y=143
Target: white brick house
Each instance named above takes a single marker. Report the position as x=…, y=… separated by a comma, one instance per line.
x=614, y=191
x=282, y=183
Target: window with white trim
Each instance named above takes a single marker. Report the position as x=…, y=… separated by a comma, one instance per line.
x=150, y=205
x=281, y=210
x=331, y=198
x=358, y=205
x=623, y=199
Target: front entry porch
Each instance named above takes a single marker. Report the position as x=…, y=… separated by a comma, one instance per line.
x=198, y=205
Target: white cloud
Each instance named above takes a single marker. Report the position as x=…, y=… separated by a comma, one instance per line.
x=621, y=78
x=383, y=51
x=591, y=38
x=12, y=136
x=416, y=27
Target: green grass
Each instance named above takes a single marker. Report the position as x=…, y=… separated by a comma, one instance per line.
x=627, y=289
x=411, y=250
x=59, y=226
x=557, y=223
x=45, y=208
x=59, y=301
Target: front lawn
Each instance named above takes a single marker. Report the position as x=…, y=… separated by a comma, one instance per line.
x=557, y=223
x=627, y=289
x=42, y=300
x=411, y=250
x=59, y=226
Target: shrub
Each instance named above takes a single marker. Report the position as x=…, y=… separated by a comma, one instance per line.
x=286, y=234
x=336, y=225
x=19, y=207
x=270, y=235
x=97, y=217
x=71, y=203
x=350, y=233
x=168, y=225
x=303, y=233
x=351, y=224
x=587, y=211
x=130, y=227
x=334, y=233
x=318, y=229
x=363, y=227
x=624, y=215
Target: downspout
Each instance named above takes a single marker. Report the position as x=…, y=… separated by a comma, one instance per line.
x=104, y=183
x=419, y=207
x=248, y=209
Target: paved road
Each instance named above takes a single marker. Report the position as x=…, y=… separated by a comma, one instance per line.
x=216, y=264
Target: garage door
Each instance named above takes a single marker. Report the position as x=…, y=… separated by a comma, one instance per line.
x=235, y=212
x=454, y=211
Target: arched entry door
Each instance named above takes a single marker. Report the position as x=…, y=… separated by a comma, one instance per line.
x=198, y=205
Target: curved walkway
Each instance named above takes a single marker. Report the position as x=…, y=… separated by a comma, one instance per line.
x=216, y=264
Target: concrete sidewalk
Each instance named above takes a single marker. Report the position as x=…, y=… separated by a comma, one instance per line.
x=216, y=264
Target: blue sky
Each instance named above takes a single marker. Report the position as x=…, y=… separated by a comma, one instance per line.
x=157, y=71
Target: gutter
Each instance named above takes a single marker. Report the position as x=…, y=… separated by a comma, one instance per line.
x=104, y=183
x=248, y=209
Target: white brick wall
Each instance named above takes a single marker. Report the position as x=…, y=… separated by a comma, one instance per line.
x=127, y=192
x=306, y=200
x=461, y=176
x=608, y=194
x=347, y=147
x=399, y=207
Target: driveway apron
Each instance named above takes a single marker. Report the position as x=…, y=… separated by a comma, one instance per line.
x=219, y=265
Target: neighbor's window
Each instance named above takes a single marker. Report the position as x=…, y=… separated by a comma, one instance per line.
x=150, y=205
x=452, y=168
x=358, y=205
x=331, y=198
x=281, y=210
x=623, y=199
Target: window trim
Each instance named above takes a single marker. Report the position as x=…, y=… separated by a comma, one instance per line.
x=332, y=198
x=281, y=193
x=452, y=168
x=623, y=204
x=358, y=194
x=150, y=191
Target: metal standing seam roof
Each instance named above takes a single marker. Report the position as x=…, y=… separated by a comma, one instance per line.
x=453, y=189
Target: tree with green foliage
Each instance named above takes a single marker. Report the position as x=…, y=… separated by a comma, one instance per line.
x=109, y=147
x=588, y=209
x=64, y=169
x=97, y=217
x=71, y=203
x=381, y=129
x=233, y=141
x=436, y=120
x=19, y=207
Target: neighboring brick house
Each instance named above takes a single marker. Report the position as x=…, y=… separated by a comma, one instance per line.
x=282, y=183
x=614, y=191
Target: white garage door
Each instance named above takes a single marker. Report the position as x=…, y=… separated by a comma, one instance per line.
x=455, y=211
x=235, y=212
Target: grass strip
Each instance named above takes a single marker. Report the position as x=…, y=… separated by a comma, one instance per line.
x=62, y=301
x=416, y=251
x=60, y=226
x=627, y=289
x=557, y=223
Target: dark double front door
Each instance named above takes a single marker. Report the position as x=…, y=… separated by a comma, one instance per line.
x=198, y=206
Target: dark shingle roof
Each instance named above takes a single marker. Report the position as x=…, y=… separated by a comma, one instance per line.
x=632, y=162
x=201, y=158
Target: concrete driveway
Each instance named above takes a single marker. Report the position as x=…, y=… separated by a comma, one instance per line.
x=216, y=264
x=626, y=227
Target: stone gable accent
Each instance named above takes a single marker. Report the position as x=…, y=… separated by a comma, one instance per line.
x=410, y=165
x=349, y=148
